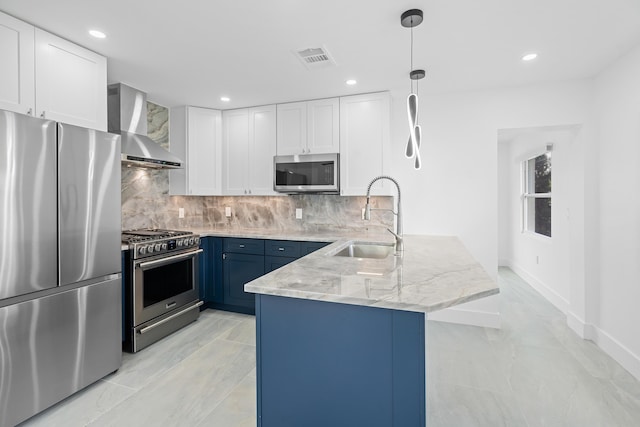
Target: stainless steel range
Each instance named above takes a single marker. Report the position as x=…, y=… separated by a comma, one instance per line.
x=161, y=284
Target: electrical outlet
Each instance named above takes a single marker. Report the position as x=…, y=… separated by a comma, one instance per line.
x=298, y=213
x=180, y=212
x=227, y=211
x=363, y=211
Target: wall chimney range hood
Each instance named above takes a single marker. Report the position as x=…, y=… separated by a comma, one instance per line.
x=127, y=116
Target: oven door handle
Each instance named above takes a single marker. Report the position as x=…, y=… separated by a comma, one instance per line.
x=145, y=265
x=173, y=316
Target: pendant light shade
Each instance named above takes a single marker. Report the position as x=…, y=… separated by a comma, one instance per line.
x=409, y=19
x=412, y=115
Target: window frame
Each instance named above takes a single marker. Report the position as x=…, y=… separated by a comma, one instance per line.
x=528, y=196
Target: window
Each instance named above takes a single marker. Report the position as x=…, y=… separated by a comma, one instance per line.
x=536, y=194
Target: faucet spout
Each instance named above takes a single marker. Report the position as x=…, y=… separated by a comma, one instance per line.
x=397, y=213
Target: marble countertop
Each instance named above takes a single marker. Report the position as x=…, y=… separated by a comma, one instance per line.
x=434, y=272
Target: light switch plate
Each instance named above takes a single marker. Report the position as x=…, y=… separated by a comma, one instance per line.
x=298, y=213
x=227, y=211
x=180, y=212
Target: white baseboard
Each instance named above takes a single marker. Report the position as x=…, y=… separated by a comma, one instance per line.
x=467, y=317
x=578, y=326
x=552, y=296
x=607, y=343
x=503, y=262
x=617, y=351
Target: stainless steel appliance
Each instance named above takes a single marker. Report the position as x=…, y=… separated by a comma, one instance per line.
x=307, y=173
x=161, y=284
x=128, y=117
x=60, y=266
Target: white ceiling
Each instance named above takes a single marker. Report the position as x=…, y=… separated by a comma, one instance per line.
x=194, y=51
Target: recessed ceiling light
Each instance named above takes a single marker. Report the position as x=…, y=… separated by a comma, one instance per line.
x=225, y=99
x=97, y=34
x=351, y=82
x=529, y=56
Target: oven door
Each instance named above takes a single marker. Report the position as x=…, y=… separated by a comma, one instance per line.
x=164, y=283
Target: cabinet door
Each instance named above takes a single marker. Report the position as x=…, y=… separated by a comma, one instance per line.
x=292, y=128
x=204, y=148
x=235, y=152
x=275, y=262
x=262, y=148
x=238, y=269
x=364, y=142
x=323, y=126
x=205, y=278
x=307, y=247
x=71, y=82
x=18, y=66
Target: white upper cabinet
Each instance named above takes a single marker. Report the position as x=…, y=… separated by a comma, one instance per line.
x=249, y=144
x=364, y=143
x=71, y=82
x=196, y=138
x=17, y=92
x=49, y=77
x=235, y=151
x=323, y=126
x=262, y=148
x=292, y=128
x=309, y=127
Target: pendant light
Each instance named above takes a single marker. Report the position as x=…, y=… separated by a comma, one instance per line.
x=409, y=19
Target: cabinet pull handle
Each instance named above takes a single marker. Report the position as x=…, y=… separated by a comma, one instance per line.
x=281, y=249
x=242, y=246
x=249, y=191
x=42, y=115
x=224, y=256
x=30, y=112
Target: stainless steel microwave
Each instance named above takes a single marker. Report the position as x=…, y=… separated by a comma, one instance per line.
x=307, y=173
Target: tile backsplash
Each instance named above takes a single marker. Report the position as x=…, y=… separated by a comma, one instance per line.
x=146, y=202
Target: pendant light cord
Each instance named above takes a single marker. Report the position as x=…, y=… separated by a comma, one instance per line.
x=411, y=60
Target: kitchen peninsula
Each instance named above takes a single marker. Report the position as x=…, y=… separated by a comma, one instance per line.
x=341, y=339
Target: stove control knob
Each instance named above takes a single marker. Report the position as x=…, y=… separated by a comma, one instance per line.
x=191, y=240
x=179, y=243
x=164, y=246
x=150, y=249
x=158, y=247
x=142, y=250
x=197, y=240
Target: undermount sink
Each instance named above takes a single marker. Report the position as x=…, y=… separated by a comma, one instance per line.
x=366, y=250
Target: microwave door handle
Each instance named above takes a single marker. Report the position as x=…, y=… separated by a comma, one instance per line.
x=163, y=261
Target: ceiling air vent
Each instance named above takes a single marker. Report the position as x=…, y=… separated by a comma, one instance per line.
x=315, y=57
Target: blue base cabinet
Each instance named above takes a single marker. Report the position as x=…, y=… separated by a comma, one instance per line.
x=228, y=263
x=327, y=364
x=210, y=273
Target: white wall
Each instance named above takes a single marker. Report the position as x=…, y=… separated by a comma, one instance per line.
x=455, y=192
x=616, y=299
x=544, y=262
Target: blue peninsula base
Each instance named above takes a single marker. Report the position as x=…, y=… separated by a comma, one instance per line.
x=330, y=364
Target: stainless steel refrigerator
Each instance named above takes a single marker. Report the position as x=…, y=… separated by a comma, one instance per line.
x=60, y=264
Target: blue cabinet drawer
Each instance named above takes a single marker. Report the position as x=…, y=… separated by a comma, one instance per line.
x=243, y=246
x=284, y=248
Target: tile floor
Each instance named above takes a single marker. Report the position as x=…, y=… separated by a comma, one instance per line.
x=532, y=372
